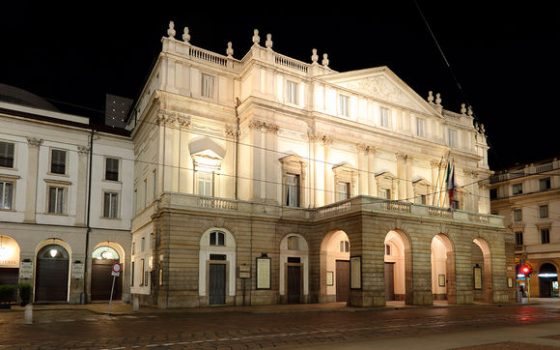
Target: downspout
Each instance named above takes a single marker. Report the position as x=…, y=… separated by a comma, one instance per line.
x=237, y=127
x=88, y=228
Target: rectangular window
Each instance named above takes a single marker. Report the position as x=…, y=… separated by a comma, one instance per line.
x=6, y=195
x=452, y=137
x=56, y=200
x=342, y=191
x=518, y=238
x=292, y=92
x=384, y=117
x=142, y=244
x=344, y=246
x=7, y=154
x=543, y=211
x=205, y=181
x=58, y=161
x=142, y=266
x=132, y=275
x=517, y=189
x=420, y=127
x=423, y=199
x=111, y=169
x=133, y=248
x=111, y=205
x=343, y=105
x=545, y=235
x=154, y=184
x=292, y=190
x=544, y=184
x=145, y=193
x=493, y=193
x=207, y=88
x=517, y=215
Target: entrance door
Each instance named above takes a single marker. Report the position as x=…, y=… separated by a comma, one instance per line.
x=217, y=285
x=294, y=284
x=342, y=280
x=102, y=280
x=389, y=281
x=9, y=276
x=52, y=274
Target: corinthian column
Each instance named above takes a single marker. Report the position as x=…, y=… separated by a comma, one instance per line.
x=33, y=146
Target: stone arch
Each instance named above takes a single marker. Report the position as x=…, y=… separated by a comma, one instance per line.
x=335, y=267
x=103, y=257
x=217, y=257
x=398, y=267
x=52, y=275
x=443, y=269
x=482, y=279
x=9, y=260
x=294, y=261
x=548, y=280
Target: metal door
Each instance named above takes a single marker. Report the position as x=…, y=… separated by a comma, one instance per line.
x=217, y=284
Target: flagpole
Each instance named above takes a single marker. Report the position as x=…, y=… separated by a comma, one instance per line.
x=436, y=187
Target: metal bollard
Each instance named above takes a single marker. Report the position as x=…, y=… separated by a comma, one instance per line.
x=135, y=303
x=28, y=314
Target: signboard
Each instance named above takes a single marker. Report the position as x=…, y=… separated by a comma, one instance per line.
x=78, y=270
x=116, y=271
x=244, y=271
x=263, y=273
x=26, y=270
x=355, y=272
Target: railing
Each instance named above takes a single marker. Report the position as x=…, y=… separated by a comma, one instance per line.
x=216, y=203
x=544, y=167
x=290, y=63
x=334, y=209
x=441, y=212
x=208, y=56
x=398, y=206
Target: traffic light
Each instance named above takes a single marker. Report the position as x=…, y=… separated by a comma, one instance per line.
x=526, y=269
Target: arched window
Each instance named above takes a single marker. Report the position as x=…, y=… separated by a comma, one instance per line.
x=217, y=238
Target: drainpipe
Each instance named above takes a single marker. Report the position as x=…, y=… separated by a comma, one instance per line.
x=237, y=103
x=88, y=228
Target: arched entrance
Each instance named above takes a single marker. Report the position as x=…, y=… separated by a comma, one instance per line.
x=9, y=263
x=294, y=269
x=335, y=267
x=398, y=269
x=482, y=270
x=548, y=281
x=216, y=277
x=443, y=269
x=51, y=281
x=103, y=259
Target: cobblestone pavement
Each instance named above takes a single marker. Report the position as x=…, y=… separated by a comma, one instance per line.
x=261, y=328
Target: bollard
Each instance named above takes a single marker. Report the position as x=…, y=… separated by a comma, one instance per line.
x=28, y=314
x=135, y=303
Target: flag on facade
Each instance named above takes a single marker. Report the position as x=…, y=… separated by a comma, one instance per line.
x=450, y=181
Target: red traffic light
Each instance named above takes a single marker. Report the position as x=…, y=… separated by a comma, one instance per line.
x=526, y=269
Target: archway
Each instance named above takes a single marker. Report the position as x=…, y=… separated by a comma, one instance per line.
x=443, y=269
x=9, y=262
x=398, y=269
x=103, y=259
x=335, y=267
x=216, y=277
x=548, y=281
x=294, y=269
x=482, y=270
x=51, y=275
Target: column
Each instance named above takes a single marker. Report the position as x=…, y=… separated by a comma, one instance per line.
x=32, y=178
x=329, y=185
x=82, y=186
x=362, y=169
x=372, y=186
x=401, y=176
x=435, y=182
x=409, y=188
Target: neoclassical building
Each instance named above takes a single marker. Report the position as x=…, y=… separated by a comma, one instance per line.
x=268, y=180
x=65, y=201
x=528, y=197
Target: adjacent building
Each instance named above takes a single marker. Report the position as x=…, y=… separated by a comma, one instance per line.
x=268, y=180
x=65, y=201
x=528, y=197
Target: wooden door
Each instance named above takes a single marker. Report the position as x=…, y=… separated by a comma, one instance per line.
x=52, y=280
x=342, y=280
x=102, y=280
x=294, y=284
x=217, y=284
x=389, y=281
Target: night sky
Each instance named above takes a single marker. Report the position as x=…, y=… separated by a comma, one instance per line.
x=504, y=57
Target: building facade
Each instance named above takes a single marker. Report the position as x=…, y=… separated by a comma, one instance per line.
x=270, y=180
x=528, y=197
x=66, y=193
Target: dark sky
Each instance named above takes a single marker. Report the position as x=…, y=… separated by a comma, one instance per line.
x=504, y=56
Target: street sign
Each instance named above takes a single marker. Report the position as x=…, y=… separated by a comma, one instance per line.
x=116, y=270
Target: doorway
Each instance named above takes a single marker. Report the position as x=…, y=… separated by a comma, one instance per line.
x=294, y=283
x=342, y=280
x=217, y=284
x=52, y=274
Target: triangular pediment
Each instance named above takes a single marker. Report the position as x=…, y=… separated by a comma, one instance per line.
x=381, y=84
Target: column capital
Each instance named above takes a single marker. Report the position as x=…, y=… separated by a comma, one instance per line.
x=83, y=150
x=34, y=142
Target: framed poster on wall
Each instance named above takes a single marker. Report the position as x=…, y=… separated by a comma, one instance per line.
x=263, y=273
x=477, y=275
x=330, y=278
x=356, y=272
x=441, y=280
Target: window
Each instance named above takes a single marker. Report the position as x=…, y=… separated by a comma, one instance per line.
x=111, y=205
x=154, y=184
x=385, y=193
x=342, y=191
x=292, y=190
x=292, y=92
x=384, y=117
x=58, y=161
x=518, y=238
x=517, y=215
x=145, y=193
x=56, y=200
x=420, y=127
x=7, y=154
x=344, y=246
x=111, y=169
x=6, y=194
x=423, y=199
x=143, y=244
x=132, y=275
x=205, y=182
x=133, y=248
x=452, y=137
x=545, y=235
x=217, y=238
x=293, y=243
x=544, y=184
x=142, y=272
x=517, y=189
x=543, y=211
x=207, y=88
x=343, y=105
x=493, y=193
x=387, y=249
